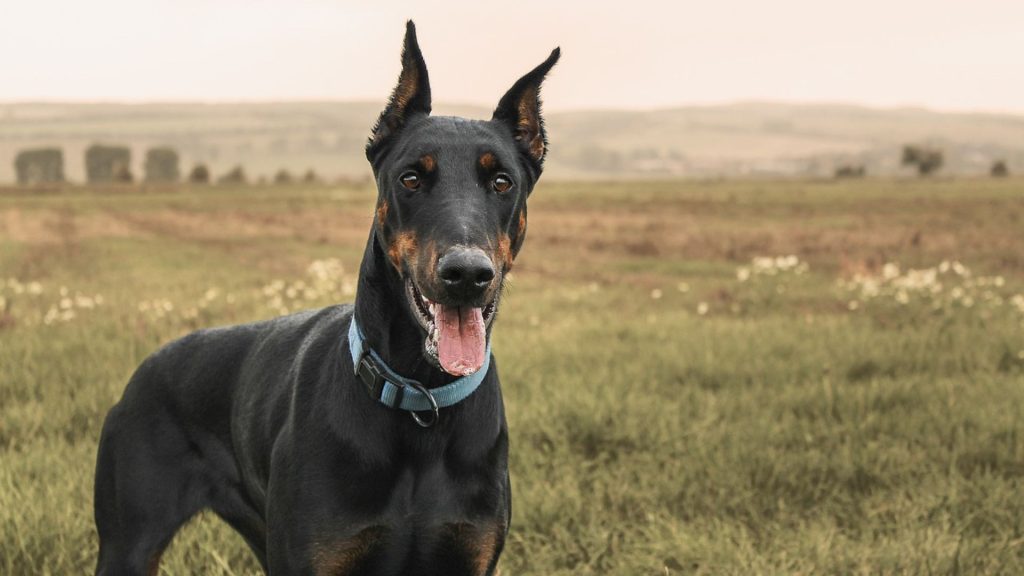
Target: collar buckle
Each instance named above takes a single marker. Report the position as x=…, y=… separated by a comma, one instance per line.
x=374, y=379
x=371, y=375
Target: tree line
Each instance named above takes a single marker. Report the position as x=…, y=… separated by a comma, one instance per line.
x=106, y=164
x=925, y=160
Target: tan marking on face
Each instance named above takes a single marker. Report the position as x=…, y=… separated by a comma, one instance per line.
x=382, y=213
x=488, y=161
x=430, y=253
x=504, y=252
x=343, y=557
x=402, y=248
x=428, y=163
x=521, y=230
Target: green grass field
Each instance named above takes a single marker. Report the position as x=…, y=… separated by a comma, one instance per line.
x=679, y=403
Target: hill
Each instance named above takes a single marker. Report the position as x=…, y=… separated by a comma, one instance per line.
x=709, y=141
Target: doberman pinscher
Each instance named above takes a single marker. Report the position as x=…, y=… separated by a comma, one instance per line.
x=361, y=439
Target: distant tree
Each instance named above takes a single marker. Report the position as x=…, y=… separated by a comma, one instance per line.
x=310, y=177
x=162, y=165
x=926, y=160
x=999, y=169
x=235, y=176
x=850, y=171
x=123, y=173
x=39, y=166
x=283, y=177
x=108, y=164
x=200, y=174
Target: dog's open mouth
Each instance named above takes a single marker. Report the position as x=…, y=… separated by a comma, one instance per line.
x=456, y=335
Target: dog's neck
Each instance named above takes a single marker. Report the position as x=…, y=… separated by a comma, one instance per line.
x=382, y=313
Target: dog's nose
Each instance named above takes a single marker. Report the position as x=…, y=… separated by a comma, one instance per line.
x=465, y=272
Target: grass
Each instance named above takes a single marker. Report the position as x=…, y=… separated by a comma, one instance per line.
x=666, y=417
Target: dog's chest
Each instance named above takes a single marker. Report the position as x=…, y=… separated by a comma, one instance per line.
x=452, y=549
x=434, y=523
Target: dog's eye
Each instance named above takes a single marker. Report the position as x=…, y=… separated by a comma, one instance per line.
x=501, y=183
x=410, y=180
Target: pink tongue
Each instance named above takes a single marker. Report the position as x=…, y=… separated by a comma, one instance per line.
x=461, y=339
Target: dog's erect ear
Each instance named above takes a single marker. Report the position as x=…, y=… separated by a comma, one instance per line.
x=411, y=95
x=519, y=109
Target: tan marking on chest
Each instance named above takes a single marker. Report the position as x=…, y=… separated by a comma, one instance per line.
x=480, y=543
x=343, y=557
x=153, y=568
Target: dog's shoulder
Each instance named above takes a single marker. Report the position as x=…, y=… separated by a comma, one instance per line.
x=235, y=342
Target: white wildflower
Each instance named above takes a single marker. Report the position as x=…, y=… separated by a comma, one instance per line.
x=1018, y=302
x=84, y=302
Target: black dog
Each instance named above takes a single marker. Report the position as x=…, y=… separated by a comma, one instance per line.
x=299, y=431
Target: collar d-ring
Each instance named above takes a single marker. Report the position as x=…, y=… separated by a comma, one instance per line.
x=433, y=406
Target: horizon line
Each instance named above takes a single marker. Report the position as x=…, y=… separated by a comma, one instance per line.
x=553, y=110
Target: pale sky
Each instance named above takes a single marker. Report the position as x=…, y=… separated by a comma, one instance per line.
x=941, y=54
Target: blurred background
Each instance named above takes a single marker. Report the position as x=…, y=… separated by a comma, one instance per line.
x=769, y=317
x=660, y=89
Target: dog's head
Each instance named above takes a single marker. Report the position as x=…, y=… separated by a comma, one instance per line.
x=451, y=208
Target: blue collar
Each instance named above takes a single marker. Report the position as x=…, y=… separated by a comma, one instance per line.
x=395, y=391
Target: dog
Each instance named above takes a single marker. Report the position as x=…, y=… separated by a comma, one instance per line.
x=363, y=439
